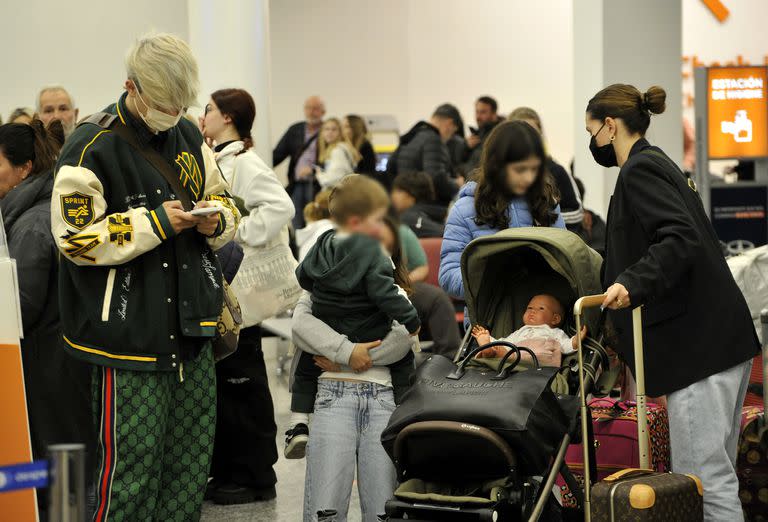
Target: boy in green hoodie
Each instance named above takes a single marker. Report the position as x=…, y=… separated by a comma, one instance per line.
x=351, y=280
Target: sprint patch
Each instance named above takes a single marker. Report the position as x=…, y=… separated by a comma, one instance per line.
x=120, y=229
x=77, y=210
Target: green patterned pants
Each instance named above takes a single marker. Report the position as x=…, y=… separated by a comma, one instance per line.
x=155, y=441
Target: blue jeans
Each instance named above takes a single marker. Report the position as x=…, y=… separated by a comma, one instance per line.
x=345, y=436
x=303, y=193
x=704, y=427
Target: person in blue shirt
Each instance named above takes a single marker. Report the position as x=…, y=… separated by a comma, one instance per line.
x=513, y=190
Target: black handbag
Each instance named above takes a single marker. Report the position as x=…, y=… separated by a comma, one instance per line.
x=519, y=406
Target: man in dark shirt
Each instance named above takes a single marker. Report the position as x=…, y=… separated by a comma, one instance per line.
x=299, y=143
x=487, y=117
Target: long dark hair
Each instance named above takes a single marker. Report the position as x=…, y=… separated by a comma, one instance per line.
x=510, y=142
x=21, y=143
x=238, y=105
x=398, y=258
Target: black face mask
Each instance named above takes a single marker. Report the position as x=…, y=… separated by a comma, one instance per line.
x=605, y=156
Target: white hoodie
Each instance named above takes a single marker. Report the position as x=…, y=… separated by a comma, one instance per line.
x=269, y=206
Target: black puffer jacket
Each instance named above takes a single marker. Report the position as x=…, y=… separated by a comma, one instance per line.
x=425, y=220
x=422, y=150
x=57, y=386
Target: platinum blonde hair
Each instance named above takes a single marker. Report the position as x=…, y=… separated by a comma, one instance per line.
x=49, y=88
x=164, y=69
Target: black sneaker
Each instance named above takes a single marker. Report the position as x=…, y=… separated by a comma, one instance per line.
x=211, y=488
x=231, y=494
x=296, y=442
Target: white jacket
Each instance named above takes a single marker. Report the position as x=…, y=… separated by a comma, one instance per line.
x=269, y=206
x=337, y=166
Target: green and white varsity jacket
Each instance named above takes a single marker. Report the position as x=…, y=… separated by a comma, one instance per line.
x=133, y=294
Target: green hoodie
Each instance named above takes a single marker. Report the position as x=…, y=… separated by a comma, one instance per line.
x=353, y=288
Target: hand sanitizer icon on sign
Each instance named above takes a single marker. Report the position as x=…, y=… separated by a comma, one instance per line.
x=740, y=127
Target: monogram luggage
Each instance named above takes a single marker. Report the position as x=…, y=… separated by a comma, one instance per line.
x=752, y=460
x=635, y=494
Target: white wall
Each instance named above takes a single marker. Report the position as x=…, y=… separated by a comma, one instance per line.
x=405, y=57
x=742, y=33
x=80, y=44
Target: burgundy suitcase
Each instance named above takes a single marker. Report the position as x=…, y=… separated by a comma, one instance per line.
x=636, y=494
x=752, y=460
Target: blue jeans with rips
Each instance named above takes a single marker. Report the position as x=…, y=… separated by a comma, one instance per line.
x=345, y=437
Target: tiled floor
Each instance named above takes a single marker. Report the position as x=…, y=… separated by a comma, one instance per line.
x=290, y=473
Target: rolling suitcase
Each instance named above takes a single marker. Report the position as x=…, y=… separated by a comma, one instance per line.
x=635, y=494
x=616, y=447
x=752, y=459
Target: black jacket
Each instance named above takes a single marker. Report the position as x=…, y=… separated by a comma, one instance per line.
x=353, y=287
x=367, y=163
x=662, y=247
x=425, y=220
x=291, y=145
x=27, y=217
x=422, y=150
x=570, y=204
x=57, y=386
x=134, y=294
x=472, y=156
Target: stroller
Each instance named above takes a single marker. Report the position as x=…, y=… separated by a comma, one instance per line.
x=451, y=470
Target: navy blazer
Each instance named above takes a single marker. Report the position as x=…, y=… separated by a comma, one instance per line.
x=661, y=246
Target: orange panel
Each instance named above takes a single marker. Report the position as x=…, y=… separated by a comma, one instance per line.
x=15, y=448
x=737, y=112
x=718, y=9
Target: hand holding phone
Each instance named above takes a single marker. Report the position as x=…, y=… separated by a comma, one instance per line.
x=205, y=211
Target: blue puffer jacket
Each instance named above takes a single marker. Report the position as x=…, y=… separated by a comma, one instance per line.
x=461, y=229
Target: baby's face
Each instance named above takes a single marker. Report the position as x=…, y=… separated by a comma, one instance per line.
x=541, y=310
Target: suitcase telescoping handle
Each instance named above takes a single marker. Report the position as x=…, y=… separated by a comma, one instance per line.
x=593, y=301
x=764, y=328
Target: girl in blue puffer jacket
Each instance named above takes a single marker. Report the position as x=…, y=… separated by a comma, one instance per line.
x=514, y=190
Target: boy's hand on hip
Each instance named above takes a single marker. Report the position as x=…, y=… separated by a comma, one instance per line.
x=360, y=360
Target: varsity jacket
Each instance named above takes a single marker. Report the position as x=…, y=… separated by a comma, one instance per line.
x=134, y=294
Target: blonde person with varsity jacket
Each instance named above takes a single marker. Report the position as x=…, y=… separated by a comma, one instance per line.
x=140, y=285
x=245, y=450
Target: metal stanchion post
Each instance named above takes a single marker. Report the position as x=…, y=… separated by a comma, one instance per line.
x=67, y=487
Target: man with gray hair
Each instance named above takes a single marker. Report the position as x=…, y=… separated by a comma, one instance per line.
x=141, y=288
x=55, y=103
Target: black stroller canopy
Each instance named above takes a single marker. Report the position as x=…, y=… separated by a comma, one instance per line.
x=503, y=271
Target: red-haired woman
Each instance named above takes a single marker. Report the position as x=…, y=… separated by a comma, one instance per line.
x=245, y=449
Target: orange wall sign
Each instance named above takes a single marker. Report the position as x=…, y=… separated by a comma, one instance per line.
x=737, y=108
x=20, y=505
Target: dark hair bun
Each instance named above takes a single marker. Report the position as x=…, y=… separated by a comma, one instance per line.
x=655, y=100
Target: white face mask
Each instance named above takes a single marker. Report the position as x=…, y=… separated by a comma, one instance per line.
x=158, y=121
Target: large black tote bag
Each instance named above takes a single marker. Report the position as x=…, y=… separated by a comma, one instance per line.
x=519, y=406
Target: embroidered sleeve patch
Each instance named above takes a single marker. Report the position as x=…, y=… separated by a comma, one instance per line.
x=80, y=245
x=191, y=177
x=120, y=229
x=77, y=210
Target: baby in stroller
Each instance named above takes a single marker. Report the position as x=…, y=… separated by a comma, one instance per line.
x=541, y=332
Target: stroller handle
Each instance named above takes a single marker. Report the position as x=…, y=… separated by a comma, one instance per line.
x=589, y=301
